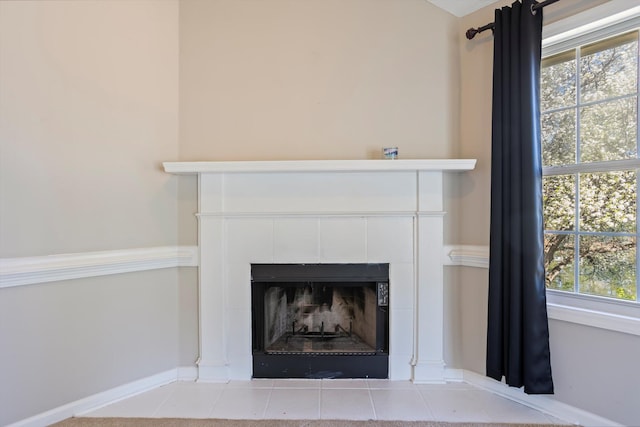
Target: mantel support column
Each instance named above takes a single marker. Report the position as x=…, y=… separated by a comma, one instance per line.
x=429, y=308
x=213, y=365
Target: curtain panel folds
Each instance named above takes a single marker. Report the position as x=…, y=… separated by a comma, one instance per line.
x=518, y=331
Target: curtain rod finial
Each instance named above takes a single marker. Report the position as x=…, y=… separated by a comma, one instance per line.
x=471, y=33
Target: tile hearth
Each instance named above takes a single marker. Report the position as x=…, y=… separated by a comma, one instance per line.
x=325, y=399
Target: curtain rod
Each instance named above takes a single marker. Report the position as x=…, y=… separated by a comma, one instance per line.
x=471, y=32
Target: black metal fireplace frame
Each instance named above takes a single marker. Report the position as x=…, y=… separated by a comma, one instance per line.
x=320, y=365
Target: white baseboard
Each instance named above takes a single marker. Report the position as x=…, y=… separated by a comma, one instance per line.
x=541, y=403
x=429, y=372
x=187, y=373
x=453, y=375
x=98, y=400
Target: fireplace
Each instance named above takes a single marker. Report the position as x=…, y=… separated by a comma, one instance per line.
x=320, y=320
x=359, y=212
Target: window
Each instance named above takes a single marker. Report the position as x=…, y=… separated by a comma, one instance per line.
x=589, y=122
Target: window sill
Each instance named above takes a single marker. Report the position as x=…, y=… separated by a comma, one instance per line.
x=593, y=318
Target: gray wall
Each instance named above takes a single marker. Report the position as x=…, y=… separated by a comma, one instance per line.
x=67, y=340
x=88, y=111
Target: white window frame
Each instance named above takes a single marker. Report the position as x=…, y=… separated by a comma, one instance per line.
x=595, y=24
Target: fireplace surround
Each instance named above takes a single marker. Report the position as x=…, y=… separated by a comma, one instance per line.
x=321, y=212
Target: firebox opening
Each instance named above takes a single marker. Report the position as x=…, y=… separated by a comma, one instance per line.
x=320, y=317
x=320, y=320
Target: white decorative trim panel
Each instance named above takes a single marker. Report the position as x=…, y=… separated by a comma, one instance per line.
x=49, y=268
x=467, y=256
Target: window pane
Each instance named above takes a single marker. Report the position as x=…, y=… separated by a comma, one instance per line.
x=608, y=266
x=608, y=131
x=608, y=202
x=558, y=81
x=559, y=138
x=558, y=199
x=609, y=68
x=558, y=261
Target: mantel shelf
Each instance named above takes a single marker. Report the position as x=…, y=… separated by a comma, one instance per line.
x=189, y=168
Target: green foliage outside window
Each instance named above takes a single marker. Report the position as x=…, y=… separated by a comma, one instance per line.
x=589, y=123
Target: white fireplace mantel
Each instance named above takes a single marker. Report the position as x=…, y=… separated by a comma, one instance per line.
x=322, y=211
x=320, y=166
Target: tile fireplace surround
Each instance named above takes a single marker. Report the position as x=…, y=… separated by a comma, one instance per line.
x=327, y=211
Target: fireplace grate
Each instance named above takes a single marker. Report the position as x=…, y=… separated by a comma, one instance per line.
x=324, y=353
x=307, y=343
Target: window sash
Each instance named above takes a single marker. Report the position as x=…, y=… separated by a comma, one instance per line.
x=579, y=47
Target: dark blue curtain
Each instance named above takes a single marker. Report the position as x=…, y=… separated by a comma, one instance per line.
x=518, y=331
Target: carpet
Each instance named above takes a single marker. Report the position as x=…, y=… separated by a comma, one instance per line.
x=193, y=422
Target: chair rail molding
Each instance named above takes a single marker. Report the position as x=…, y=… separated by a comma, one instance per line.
x=478, y=256
x=23, y=271
x=467, y=255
